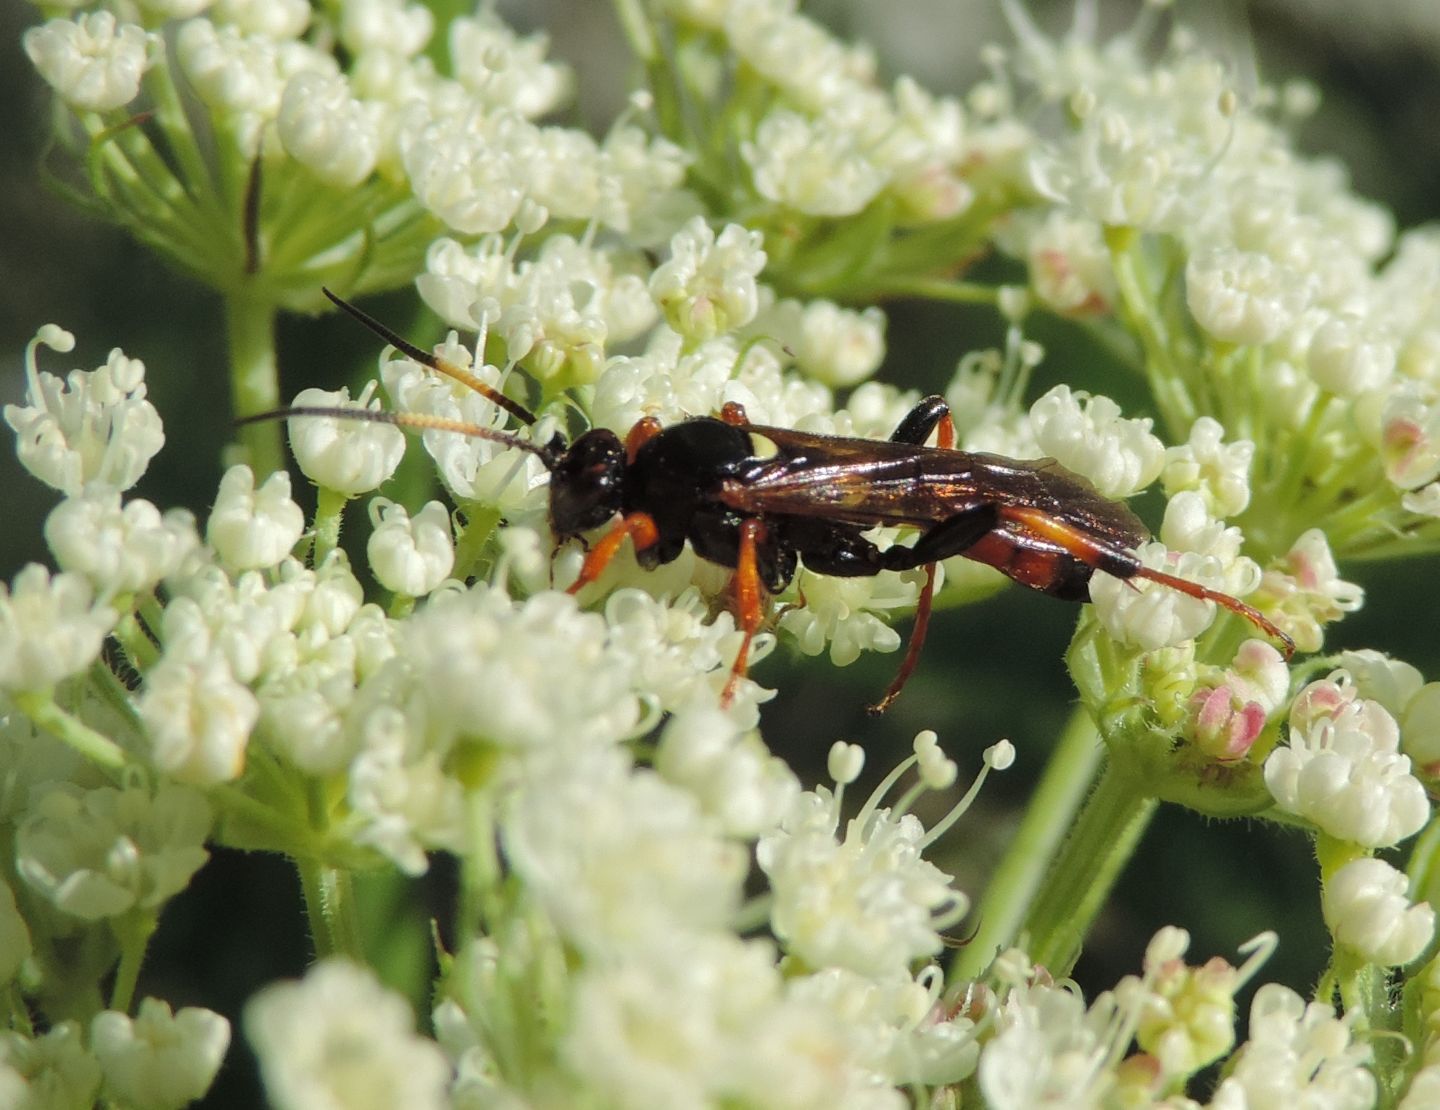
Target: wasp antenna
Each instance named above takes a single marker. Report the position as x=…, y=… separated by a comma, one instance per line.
x=1234, y=604
x=411, y=421
x=425, y=358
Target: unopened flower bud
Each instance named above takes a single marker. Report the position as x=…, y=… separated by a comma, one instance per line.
x=1368, y=909
x=252, y=529
x=347, y=456
x=410, y=555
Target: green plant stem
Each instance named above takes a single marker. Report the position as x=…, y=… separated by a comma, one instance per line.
x=1138, y=308
x=1011, y=891
x=16, y=1011
x=287, y=831
x=934, y=289
x=1424, y=864
x=480, y=523
x=330, y=908
x=479, y=909
x=1104, y=837
x=329, y=512
x=254, y=379
x=41, y=708
x=114, y=693
x=638, y=33
x=134, y=931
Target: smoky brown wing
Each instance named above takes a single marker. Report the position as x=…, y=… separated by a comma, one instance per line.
x=872, y=482
x=1071, y=501
x=858, y=481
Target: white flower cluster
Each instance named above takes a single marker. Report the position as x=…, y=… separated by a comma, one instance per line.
x=556, y=313
x=159, y=1058
x=1193, y=546
x=50, y=629
x=1089, y=436
x=832, y=140
x=340, y=1038
x=708, y=285
x=98, y=853
x=1304, y=591
x=639, y=871
x=1226, y=714
x=347, y=456
x=345, y=101
x=1368, y=909
x=1049, y=1049
x=1405, y=694
x=93, y=62
x=95, y=429
x=1303, y=298
x=1298, y=1053
x=1343, y=771
x=865, y=901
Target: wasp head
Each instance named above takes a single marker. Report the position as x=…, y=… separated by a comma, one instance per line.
x=586, y=483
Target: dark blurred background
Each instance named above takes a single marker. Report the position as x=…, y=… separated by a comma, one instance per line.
x=992, y=670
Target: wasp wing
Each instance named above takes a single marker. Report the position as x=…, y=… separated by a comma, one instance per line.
x=880, y=482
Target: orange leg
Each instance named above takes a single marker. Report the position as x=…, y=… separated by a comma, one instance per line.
x=733, y=413
x=644, y=430
x=917, y=641
x=638, y=526
x=945, y=433
x=749, y=601
x=944, y=438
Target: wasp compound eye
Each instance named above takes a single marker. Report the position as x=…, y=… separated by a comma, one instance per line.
x=586, y=483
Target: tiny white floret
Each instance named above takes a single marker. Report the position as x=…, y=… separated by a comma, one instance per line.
x=94, y=63
x=251, y=528
x=1368, y=909
x=349, y=456
x=158, y=1058
x=340, y=1038
x=95, y=428
x=707, y=286
x=50, y=628
x=1088, y=435
x=327, y=130
x=410, y=555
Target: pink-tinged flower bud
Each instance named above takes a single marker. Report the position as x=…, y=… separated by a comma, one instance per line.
x=1345, y=772
x=1221, y=725
x=1409, y=449
x=1303, y=591
x=1319, y=700
x=1258, y=673
x=1070, y=267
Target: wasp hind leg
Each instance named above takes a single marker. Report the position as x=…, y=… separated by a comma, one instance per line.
x=950, y=537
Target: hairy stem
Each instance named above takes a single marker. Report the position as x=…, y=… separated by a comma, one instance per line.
x=1012, y=889
x=254, y=380
x=1111, y=823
